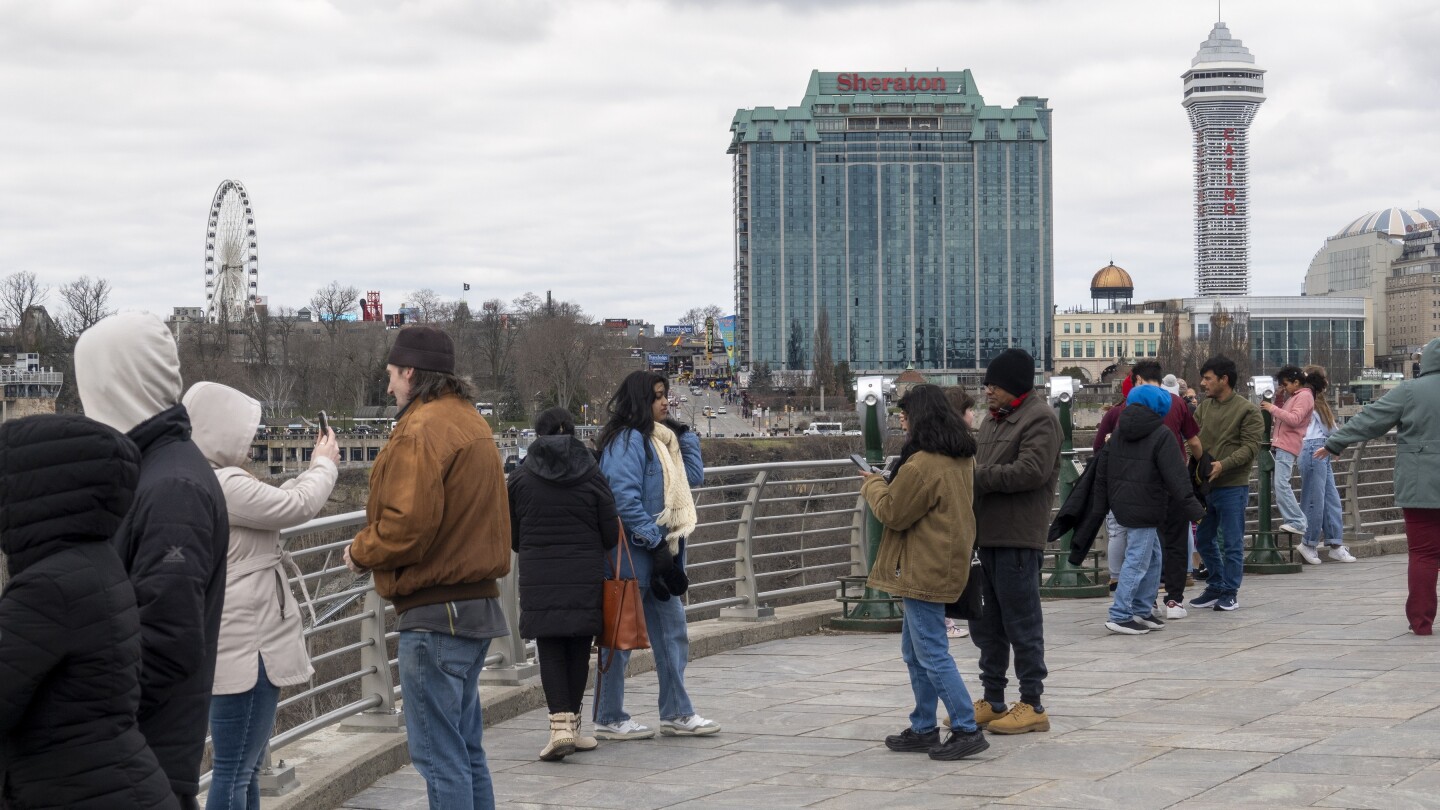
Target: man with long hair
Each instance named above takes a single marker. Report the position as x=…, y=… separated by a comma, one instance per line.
x=437, y=537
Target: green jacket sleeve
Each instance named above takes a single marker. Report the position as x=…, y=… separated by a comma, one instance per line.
x=1371, y=423
x=1252, y=431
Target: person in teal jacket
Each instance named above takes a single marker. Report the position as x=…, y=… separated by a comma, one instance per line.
x=651, y=462
x=1413, y=409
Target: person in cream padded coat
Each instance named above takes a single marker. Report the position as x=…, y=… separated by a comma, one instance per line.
x=262, y=646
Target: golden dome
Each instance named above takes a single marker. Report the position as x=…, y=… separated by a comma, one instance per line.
x=1111, y=277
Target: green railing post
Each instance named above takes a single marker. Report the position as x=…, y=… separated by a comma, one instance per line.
x=873, y=611
x=1066, y=579
x=1264, y=557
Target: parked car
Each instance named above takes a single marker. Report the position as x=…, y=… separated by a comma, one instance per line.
x=722, y=409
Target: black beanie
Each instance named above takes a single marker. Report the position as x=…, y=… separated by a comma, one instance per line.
x=1013, y=370
x=425, y=348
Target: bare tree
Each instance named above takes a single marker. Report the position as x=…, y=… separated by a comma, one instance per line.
x=824, y=354
x=429, y=306
x=332, y=303
x=18, y=293
x=695, y=316
x=87, y=302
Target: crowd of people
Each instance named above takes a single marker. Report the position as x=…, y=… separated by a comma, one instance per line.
x=149, y=599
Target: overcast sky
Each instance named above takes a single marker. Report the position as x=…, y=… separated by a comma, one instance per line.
x=579, y=147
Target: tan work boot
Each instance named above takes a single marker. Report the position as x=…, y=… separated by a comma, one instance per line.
x=1021, y=718
x=582, y=743
x=986, y=714
x=562, y=738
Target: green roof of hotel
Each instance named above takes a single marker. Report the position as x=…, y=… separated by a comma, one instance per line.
x=825, y=89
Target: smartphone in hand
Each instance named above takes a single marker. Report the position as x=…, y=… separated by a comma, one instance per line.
x=863, y=464
x=324, y=424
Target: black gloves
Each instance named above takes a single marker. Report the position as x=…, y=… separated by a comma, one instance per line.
x=677, y=427
x=666, y=578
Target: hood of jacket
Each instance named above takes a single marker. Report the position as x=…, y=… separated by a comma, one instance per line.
x=127, y=369
x=1137, y=422
x=560, y=458
x=1430, y=358
x=63, y=479
x=222, y=422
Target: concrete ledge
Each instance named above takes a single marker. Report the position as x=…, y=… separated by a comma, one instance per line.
x=335, y=765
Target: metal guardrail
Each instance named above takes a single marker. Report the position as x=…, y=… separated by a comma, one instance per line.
x=768, y=533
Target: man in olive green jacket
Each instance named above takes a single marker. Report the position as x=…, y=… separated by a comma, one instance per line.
x=1017, y=467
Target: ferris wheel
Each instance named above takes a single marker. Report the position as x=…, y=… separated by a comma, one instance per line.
x=232, y=256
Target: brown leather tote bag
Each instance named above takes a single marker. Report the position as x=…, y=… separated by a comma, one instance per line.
x=624, y=627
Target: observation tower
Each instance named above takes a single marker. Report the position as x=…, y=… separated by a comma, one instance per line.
x=1223, y=89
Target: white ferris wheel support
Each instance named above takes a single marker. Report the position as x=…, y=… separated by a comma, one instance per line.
x=232, y=256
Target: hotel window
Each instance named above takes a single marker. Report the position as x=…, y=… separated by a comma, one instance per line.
x=1087, y=331
x=1089, y=348
x=1153, y=346
x=1152, y=327
x=1067, y=328
x=1202, y=331
x=1064, y=348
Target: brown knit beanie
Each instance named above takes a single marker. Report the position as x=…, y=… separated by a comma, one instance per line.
x=425, y=348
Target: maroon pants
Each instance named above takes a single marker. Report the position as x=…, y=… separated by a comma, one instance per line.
x=1422, y=535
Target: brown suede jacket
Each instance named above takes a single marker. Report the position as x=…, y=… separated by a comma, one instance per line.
x=929, y=528
x=438, y=518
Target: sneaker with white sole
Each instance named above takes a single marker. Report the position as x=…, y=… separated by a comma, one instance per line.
x=1286, y=527
x=1152, y=621
x=626, y=730
x=1127, y=628
x=1341, y=554
x=1307, y=553
x=1173, y=610
x=1206, y=599
x=690, y=725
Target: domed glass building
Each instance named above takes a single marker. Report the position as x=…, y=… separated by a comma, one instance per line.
x=1356, y=261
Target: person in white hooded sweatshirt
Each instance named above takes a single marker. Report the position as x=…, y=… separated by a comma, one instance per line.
x=262, y=640
x=173, y=540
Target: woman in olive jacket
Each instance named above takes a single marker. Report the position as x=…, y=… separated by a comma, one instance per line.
x=924, y=558
x=262, y=642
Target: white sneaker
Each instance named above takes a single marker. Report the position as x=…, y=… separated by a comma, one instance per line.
x=691, y=725
x=1307, y=553
x=627, y=730
x=1286, y=527
x=1341, y=554
x=1173, y=610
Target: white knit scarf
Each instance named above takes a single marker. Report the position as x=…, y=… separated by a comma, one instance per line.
x=679, y=513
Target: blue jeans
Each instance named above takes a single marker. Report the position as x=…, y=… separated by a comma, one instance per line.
x=1220, y=539
x=934, y=677
x=1140, y=576
x=1115, y=547
x=670, y=642
x=240, y=725
x=440, y=675
x=1319, y=497
x=1284, y=493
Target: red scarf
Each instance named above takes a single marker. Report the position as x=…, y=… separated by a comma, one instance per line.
x=1003, y=411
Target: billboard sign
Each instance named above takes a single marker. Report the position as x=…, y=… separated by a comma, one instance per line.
x=657, y=359
x=679, y=329
x=617, y=323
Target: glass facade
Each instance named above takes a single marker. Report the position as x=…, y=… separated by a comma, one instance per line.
x=916, y=225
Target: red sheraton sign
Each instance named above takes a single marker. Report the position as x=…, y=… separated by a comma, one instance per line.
x=888, y=84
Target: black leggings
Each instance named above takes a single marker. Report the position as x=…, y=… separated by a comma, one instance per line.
x=564, y=666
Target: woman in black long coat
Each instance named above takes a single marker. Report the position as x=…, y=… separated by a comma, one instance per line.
x=562, y=521
x=69, y=626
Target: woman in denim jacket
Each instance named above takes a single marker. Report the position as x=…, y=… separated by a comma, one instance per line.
x=651, y=462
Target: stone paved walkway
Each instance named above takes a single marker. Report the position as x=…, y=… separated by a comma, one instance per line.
x=1313, y=694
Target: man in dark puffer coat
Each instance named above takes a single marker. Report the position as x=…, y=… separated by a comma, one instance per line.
x=562, y=518
x=174, y=539
x=69, y=628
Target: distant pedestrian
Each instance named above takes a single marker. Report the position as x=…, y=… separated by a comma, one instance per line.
x=1413, y=409
x=173, y=540
x=1291, y=411
x=70, y=632
x=437, y=536
x=927, y=510
x=1319, y=497
x=1017, y=468
x=1142, y=480
x=1231, y=429
x=562, y=519
x=262, y=639
x=652, y=461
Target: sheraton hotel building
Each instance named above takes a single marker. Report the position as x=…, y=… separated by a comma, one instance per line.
x=897, y=215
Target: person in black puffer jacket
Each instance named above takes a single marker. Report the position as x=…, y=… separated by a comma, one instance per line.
x=173, y=541
x=1140, y=478
x=562, y=519
x=69, y=627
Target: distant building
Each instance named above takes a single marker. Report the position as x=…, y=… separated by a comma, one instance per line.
x=1358, y=260
x=1412, y=298
x=915, y=217
x=1223, y=90
x=1103, y=338
x=1295, y=330
x=26, y=389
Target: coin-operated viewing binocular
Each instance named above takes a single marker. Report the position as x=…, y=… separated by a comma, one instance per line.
x=1262, y=389
x=1061, y=389
x=873, y=390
